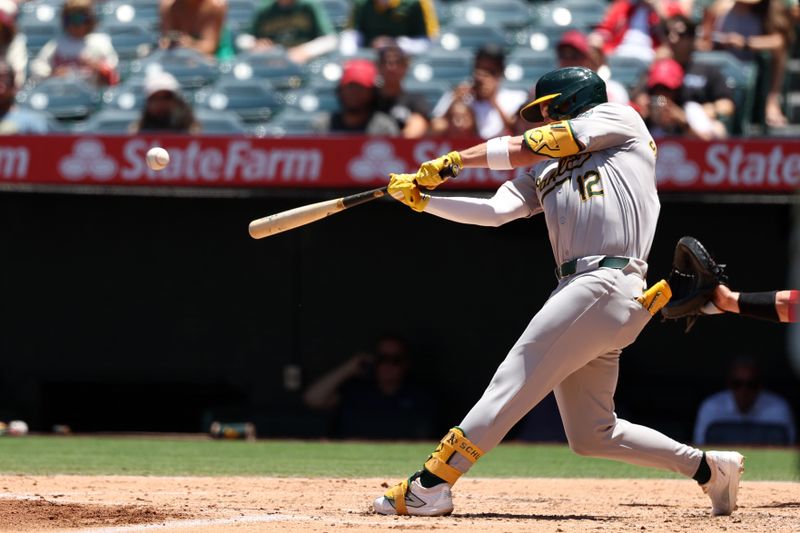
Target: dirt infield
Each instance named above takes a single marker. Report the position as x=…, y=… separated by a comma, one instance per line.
x=245, y=504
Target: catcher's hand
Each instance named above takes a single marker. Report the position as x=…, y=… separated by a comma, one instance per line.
x=429, y=173
x=403, y=187
x=694, y=276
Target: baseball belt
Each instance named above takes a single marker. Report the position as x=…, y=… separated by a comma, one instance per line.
x=570, y=268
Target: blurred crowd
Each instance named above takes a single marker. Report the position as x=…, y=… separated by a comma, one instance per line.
x=697, y=68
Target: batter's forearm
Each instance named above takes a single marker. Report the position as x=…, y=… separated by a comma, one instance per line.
x=518, y=153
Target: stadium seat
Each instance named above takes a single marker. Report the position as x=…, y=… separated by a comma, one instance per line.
x=431, y=90
x=752, y=433
x=131, y=41
x=109, y=122
x=145, y=13
x=462, y=35
x=66, y=98
x=126, y=96
x=273, y=65
x=192, y=69
x=509, y=15
x=541, y=37
x=291, y=122
x=627, y=70
x=740, y=77
x=526, y=65
x=312, y=99
x=40, y=22
x=214, y=122
x=449, y=66
x=327, y=70
x=240, y=15
x=253, y=100
x=338, y=11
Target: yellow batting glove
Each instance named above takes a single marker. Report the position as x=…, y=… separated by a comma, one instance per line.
x=429, y=176
x=402, y=188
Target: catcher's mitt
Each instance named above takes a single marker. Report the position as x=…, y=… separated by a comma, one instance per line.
x=693, y=278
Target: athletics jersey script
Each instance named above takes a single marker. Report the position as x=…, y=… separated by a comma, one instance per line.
x=598, y=193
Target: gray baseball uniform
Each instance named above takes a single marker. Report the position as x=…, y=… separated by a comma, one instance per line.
x=599, y=202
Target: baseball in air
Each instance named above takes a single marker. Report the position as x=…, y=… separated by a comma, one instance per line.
x=157, y=158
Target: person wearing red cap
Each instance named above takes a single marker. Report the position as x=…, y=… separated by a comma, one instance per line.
x=358, y=94
x=662, y=109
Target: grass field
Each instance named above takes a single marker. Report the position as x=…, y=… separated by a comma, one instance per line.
x=199, y=457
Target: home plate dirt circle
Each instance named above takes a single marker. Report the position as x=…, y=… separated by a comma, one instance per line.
x=245, y=504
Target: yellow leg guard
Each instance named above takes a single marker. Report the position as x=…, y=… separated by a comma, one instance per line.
x=453, y=442
x=398, y=494
x=656, y=297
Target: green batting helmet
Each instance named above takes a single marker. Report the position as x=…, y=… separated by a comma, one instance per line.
x=570, y=91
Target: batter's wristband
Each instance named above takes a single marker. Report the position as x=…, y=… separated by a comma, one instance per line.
x=759, y=305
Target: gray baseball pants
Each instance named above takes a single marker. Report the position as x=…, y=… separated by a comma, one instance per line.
x=572, y=346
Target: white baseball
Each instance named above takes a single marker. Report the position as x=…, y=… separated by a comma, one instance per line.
x=157, y=158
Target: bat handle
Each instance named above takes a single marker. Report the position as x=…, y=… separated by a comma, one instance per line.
x=450, y=171
x=363, y=197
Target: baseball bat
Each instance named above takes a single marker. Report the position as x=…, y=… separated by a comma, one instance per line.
x=306, y=214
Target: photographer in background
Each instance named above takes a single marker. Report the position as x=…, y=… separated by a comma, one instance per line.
x=495, y=108
x=372, y=396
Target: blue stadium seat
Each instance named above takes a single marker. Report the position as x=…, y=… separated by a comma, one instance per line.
x=431, y=90
x=506, y=14
x=312, y=99
x=40, y=22
x=464, y=36
x=751, y=433
x=130, y=40
x=126, y=96
x=192, y=69
x=66, y=98
x=739, y=76
x=450, y=66
x=327, y=70
x=541, y=37
x=145, y=13
x=214, y=122
x=525, y=65
x=626, y=69
x=273, y=65
x=240, y=15
x=338, y=11
x=109, y=122
x=291, y=122
x=252, y=100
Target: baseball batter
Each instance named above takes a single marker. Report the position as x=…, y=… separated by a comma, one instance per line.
x=593, y=178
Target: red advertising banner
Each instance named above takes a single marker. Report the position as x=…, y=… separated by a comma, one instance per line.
x=752, y=165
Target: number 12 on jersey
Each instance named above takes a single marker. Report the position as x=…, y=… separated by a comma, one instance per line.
x=589, y=185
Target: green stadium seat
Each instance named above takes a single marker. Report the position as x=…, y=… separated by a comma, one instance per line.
x=109, y=122
x=449, y=66
x=292, y=122
x=130, y=40
x=142, y=12
x=626, y=69
x=312, y=99
x=240, y=15
x=431, y=90
x=509, y=15
x=213, y=122
x=66, y=98
x=741, y=77
x=271, y=65
x=527, y=66
x=192, y=69
x=40, y=22
x=338, y=12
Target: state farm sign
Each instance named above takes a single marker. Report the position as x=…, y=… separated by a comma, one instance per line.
x=354, y=162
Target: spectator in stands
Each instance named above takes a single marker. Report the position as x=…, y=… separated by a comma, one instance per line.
x=702, y=83
x=413, y=23
x=79, y=50
x=13, y=44
x=165, y=110
x=13, y=119
x=302, y=27
x=629, y=27
x=663, y=110
x=409, y=110
x=573, y=50
x=746, y=27
x=495, y=107
x=744, y=402
x=461, y=121
x=368, y=388
x=196, y=24
x=358, y=96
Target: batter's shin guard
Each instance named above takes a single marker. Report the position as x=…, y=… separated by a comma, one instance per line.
x=452, y=443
